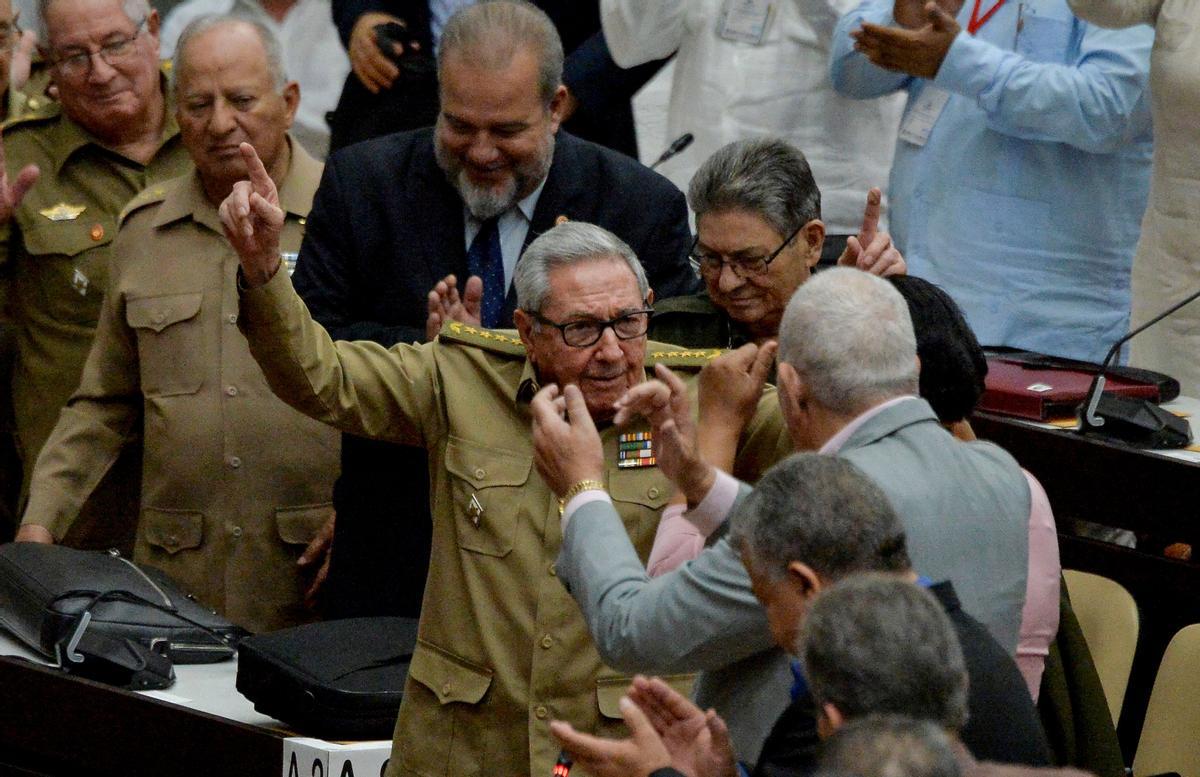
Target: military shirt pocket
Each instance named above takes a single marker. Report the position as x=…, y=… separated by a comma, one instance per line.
x=440, y=683
x=68, y=268
x=170, y=343
x=298, y=525
x=172, y=530
x=487, y=487
x=609, y=691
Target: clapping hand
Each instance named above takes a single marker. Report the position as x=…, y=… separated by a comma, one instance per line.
x=916, y=52
x=446, y=304
x=871, y=250
x=253, y=221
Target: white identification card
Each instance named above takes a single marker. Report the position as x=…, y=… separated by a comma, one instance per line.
x=923, y=114
x=746, y=20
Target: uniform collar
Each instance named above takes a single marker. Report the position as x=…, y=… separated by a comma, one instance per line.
x=528, y=385
x=72, y=137
x=295, y=195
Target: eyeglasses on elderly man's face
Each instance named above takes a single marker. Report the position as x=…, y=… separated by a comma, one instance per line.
x=77, y=62
x=587, y=332
x=710, y=265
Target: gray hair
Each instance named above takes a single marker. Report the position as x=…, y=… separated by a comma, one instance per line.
x=850, y=337
x=565, y=244
x=888, y=746
x=765, y=176
x=203, y=24
x=135, y=11
x=493, y=31
x=877, y=644
x=823, y=511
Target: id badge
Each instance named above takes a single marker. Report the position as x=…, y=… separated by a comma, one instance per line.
x=746, y=21
x=923, y=114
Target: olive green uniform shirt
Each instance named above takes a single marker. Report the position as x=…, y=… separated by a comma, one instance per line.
x=502, y=646
x=54, y=254
x=694, y=321
x=235, y=483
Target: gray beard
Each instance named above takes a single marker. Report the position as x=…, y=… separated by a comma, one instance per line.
x=485, y=202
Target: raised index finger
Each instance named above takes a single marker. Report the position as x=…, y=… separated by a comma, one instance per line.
x=259, y=179
x=870, y=223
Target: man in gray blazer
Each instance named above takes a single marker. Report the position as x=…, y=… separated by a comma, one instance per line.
x=847, y=378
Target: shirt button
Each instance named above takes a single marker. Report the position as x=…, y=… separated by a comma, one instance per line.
x=553, y=570
x=159, y=316
x=446, y=688
x=541, y=712
x=235, y=462
x=231, y=318
x=480, y=472
x=547, y=641
x=237, y=531
x=231, y=391
x=171, y=541
x=653, y=492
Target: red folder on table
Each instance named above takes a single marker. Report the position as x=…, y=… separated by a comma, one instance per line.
x=1039, y=389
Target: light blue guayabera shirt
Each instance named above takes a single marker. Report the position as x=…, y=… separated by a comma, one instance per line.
x=1025, y=203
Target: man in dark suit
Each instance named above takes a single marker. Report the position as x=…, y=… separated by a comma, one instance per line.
x=398, y=91
x=395, y=216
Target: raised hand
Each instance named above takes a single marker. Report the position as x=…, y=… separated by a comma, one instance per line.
x=665, y=404
x=873, y=251
x=730, y=388
x=566, y=445
x=12, y=194
x=446, y=304
x=253, y=221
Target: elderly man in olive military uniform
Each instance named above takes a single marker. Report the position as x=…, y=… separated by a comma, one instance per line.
x=235, y=482
x=502, y=647
x=80, y=161
x=759, y=236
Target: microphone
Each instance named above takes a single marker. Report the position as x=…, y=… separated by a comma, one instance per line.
x=1136, y=421
x=677, y=146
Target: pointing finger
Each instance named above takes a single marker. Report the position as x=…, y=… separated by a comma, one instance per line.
x=254, y=167
x=870, y=223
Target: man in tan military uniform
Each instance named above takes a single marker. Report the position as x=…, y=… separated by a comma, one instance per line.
x=235, y=483
x=502, y=646
x=109, y=136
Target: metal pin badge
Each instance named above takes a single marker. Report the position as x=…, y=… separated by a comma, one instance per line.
x=475, y=510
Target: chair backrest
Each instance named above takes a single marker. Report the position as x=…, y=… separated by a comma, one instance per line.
x=1108, y=618
x=1170, y=740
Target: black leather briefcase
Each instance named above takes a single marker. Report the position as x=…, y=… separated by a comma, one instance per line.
x=339, y=679
x=51, y=596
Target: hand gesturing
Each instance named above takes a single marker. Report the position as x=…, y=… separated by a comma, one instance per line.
x=253, y=221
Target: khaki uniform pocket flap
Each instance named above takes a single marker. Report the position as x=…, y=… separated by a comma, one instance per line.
x=449, y=677
x=158, y=313
x=644, y=486
x=65, y=238
x=609, y=691
x=172, y=530
x=298, y=525
x=482, y=466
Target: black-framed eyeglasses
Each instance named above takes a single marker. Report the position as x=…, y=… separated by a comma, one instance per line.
x=79, y=63
x=709, y=265
x=586, y=332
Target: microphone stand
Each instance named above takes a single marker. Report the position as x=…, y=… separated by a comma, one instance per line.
x=1169, y=430
x=676, y=147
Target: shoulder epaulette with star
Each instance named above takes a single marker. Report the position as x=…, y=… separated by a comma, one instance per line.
x=503, y=341
x=679, y=358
